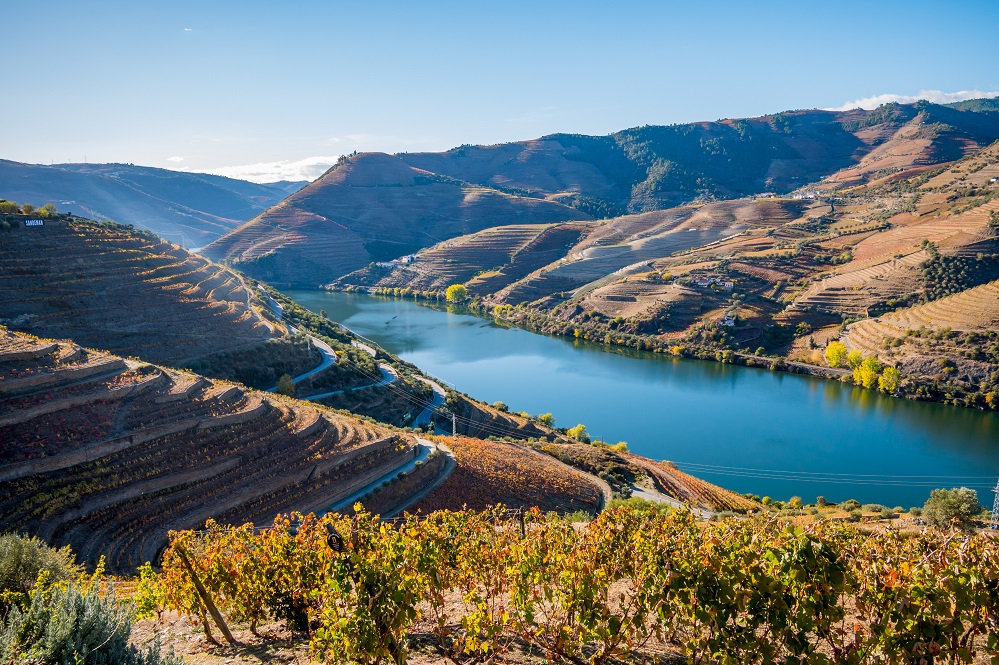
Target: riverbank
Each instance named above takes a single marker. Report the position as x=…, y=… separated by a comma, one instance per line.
x=701, y=342
x=775, y=433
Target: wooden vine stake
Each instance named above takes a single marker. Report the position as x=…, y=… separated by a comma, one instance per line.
x=205, y=598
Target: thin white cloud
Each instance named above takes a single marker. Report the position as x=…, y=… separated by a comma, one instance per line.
x=935, y=96
x=188, y=29
x=175, y=159
x=309, y=168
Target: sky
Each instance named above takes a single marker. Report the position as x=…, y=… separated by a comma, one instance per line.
x=269, y=91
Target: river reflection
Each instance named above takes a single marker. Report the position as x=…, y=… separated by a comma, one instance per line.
x=839, y=440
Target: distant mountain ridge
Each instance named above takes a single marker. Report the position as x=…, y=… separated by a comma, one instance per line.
x=373, y=207
x=189, y=209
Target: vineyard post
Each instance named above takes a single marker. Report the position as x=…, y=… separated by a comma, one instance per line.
x=205, y=598
x=523, y=526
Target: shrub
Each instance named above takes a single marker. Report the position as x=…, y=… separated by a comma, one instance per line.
x=915, y=511
x=835, y=354
x=285, y=386
x=70, y=625
x=954, y=506
x=23, y=558
x=455, y=293
x=821, y=502
x=850, y=505
x=873, y=508
x=578, y=433
x=794, y=503
x=854, y=516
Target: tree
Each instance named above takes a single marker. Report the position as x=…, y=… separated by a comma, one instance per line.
x=890, y=380
x=546, y=419
x=835, y=353
x=8, y=207
x=854, y=358
x=954, y=506
x=47, y=210
x=285, y=386
x=578, y=433
x=500, y=406
x=867, y=373
x=456, y=293
x=794, y=503
x=27, y=208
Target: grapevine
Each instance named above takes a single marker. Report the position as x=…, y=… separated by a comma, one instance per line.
x=756, y=590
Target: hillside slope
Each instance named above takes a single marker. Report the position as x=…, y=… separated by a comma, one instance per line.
x=376, y=207
x=370, y=207
x=125, y=291
x=190, y=209
x=107, y=455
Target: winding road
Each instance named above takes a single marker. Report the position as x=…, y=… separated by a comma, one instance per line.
x=425, y=417
x=389, y=375
x=426, y=448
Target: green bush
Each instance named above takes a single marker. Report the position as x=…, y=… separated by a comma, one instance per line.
x=68, y=626
x=957, y=507
x=22, y=558
x=850, y=505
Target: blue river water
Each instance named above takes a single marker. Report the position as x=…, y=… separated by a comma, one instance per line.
x=747, y=429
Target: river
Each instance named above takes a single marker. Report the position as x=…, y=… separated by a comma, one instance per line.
x=747, y=429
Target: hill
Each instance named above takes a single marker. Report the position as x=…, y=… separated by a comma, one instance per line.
x=107, y=454
x=190, y=209
x=125, y=291
x=376, y=207
x=370, y=207
x=911, y=218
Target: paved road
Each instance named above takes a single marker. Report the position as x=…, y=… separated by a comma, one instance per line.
x=329, y=359
x=656, y=496
x=389, y=375
x=423, y=452
x=427, y=414
x=329, y=355
x=370, y=350
x=450, y=464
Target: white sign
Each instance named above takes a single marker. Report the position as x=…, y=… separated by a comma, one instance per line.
x=33, y=222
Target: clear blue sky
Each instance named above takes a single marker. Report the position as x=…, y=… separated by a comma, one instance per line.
x=206, y=85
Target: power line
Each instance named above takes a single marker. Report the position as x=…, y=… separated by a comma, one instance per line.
x=822, y=473
x=843, y=479
x=994, y=521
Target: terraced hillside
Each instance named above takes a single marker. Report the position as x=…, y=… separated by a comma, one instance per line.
x=491, y=472
x=510, y=252
x=625, y=472
x=107, y=454
x=127, y=292
x=370, y=207
x=954, y=336
x=375, y=207
x=190, y=209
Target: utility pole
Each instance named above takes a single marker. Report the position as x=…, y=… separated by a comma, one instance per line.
x=454, y=434
x=994, y=522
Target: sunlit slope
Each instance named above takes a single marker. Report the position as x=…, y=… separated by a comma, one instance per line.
x=107, y=454
x=374, y=207
x=371, y=207
x=126, y=291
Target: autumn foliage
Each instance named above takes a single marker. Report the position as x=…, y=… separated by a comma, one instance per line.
x=740, y=591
